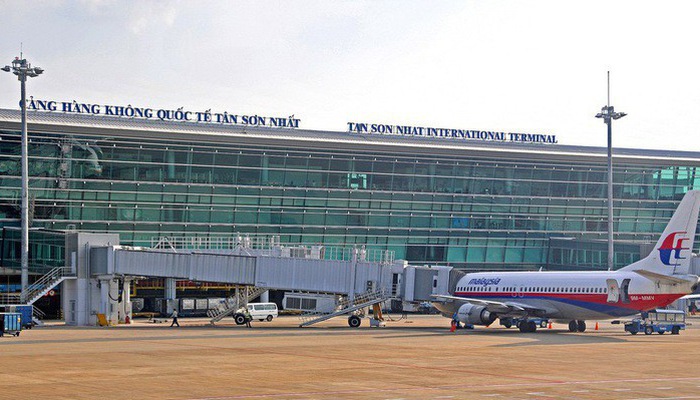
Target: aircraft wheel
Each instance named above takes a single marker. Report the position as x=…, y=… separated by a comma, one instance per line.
x=354, y=321
x=648, y=330
x=573, y=326
x=581, y=325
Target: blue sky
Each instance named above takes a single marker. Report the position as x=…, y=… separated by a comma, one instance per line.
x=525, y=66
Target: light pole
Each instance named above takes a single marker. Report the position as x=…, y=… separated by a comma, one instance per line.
x=608, y=114
x=23, y=69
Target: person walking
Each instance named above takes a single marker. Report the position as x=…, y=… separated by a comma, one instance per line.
x=248, y=317
x=175, y=319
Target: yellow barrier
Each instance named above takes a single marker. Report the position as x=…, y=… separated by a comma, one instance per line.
x=102, y=320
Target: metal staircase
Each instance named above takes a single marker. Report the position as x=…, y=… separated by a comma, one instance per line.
x=37, y=289
x=37, y=316
x=235, y=302
x=346, y=306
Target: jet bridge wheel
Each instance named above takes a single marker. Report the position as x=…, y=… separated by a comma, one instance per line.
x=239, y=319
x=354, y=321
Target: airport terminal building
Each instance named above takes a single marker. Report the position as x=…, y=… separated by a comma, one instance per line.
x=471, y=204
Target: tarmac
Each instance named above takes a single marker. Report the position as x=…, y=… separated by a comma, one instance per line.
x=413, y=358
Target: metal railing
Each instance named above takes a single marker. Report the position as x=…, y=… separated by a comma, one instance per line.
x=37, y=288
x=346, y=305
x=271, y=246
x=235, y=302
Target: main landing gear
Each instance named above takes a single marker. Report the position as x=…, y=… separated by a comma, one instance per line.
x=577, y=326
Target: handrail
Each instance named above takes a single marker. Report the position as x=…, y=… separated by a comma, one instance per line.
x=38, y=313
x=31, y=291
x=40, y=285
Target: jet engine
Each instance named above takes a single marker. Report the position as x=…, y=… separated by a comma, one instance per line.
x=475, y=315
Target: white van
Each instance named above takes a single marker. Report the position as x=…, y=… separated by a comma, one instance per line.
x=263, y=311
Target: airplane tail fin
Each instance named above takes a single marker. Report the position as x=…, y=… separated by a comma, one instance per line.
x=672, y=253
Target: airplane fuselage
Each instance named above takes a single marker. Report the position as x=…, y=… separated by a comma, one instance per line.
x=571, y=295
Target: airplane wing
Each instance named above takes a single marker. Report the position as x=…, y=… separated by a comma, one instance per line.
x=497, y=307
x=691, y=296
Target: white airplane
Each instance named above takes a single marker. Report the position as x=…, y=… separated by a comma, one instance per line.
x=532, y=299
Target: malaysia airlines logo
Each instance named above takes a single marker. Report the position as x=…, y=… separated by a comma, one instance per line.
x=672, y=246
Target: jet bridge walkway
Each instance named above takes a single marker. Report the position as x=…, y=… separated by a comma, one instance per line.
x=360, y=278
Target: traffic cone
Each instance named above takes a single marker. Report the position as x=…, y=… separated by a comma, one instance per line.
x=596, y=325
x=550, y=325
x=453, y=326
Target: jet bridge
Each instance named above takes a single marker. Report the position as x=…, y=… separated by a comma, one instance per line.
x=103, y=278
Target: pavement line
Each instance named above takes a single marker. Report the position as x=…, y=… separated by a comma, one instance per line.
x=375, y=362
x=666, y=398
x=455, y=387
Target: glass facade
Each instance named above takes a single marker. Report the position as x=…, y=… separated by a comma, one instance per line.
x=473, y=208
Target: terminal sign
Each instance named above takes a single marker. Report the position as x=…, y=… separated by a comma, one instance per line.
x=465, y=134
x=179, y=115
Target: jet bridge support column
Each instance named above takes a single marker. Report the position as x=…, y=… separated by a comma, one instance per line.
x=104, y=295
x=170, y=295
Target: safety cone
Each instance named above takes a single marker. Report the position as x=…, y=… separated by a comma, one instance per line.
x=550, y=325
x=596, y=326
